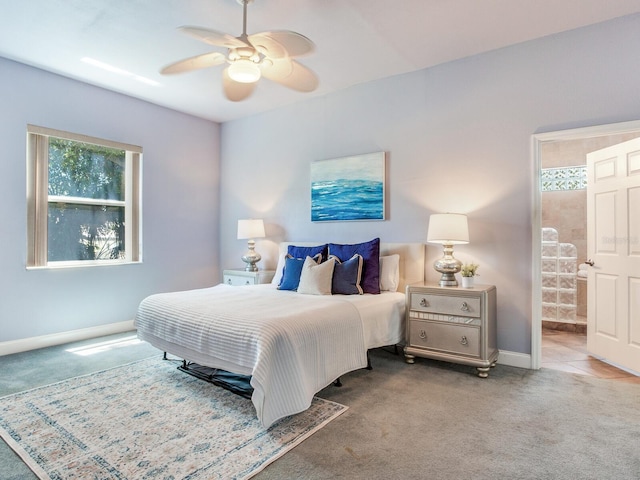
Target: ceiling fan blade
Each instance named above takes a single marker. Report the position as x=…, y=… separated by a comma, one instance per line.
x=291, y=74
x=281, y=44
x=195, y=63
x=236, y=91
x=213, y=37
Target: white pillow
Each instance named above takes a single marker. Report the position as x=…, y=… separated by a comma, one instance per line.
x=315, y=278
x=389, y=273
x=279, y=268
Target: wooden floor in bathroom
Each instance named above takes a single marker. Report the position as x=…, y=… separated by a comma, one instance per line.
x=567, y=351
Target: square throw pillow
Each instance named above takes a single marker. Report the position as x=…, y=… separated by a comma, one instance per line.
x=389, y=273
x=370, y=252
x=277, y=277
x=290, y=280
x=315, y=278
x=299, y=252
x=347, y=276
x=291, y=273
x=304, y=252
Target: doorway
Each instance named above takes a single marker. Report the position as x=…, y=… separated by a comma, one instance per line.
x=566, y=145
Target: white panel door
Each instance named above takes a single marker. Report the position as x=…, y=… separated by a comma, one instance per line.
x=613, y=244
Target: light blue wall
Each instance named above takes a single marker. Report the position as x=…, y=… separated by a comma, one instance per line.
x=459, y=139
x=180, y=204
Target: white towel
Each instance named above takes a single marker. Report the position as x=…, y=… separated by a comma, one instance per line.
x=583, y=273
x=583, y=266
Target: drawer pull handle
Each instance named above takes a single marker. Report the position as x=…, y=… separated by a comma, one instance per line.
x=464, y=341
x=424, y=303
x=423, y=334
x=229, y=281
x=247, y=283
x=464, y=307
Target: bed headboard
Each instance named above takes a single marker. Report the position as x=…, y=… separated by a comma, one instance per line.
x=412, y=259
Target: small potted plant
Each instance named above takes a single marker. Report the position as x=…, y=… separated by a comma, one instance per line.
x=468, y=272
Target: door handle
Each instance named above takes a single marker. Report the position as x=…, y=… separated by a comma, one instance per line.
x=589, y=262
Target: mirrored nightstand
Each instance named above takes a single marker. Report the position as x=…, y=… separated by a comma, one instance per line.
x=452, y=324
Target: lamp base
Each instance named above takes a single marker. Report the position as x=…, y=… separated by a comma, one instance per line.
x=448, y=280
x=448, y=266
x=251, y=257
x=251, y=265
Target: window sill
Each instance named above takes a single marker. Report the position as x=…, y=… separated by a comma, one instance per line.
x=87, y=264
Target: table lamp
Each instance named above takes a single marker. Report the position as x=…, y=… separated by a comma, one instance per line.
x=251, y=229
x=448, y=229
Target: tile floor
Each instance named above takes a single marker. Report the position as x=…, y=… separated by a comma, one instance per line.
x=567, y=351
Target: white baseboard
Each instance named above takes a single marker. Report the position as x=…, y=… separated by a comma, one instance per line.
x=32, y=343
x=514, y=359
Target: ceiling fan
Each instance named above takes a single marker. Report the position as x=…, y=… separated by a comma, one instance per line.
x=250, y=57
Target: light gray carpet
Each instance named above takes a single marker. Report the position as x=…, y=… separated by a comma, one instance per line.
x=429, y=420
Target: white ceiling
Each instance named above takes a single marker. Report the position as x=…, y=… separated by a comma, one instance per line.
x=356, y=40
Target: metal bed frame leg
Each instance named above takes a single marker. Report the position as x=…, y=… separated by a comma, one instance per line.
x=185, y=364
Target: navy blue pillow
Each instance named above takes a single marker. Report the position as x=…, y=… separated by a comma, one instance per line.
x=291, y=273
x=304, y=252
x=347, y=276
x=370, y=252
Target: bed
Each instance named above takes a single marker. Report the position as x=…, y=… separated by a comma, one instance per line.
x=292, y=345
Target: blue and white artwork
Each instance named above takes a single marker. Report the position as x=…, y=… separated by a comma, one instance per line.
x=349, y=188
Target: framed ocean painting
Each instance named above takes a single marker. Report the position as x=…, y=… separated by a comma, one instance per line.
x=348, y=188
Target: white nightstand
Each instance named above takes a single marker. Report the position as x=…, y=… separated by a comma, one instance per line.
x=452, y=324
x=238, y=276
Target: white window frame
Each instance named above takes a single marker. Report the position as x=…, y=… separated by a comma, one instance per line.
x=38, y=198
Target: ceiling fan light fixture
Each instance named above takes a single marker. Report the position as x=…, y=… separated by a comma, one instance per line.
x=250, y=57
x=244, y=70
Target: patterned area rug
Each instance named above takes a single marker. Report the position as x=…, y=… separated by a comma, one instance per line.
x=148, y=420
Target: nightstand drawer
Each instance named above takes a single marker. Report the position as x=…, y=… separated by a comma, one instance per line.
x=243, y=277
x=459, y=339
x=237, y=280
x=446, y=305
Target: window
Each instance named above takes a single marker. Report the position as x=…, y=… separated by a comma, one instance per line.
x=563, y=178
x=83, y=198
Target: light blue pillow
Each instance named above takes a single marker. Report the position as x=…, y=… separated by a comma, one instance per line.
x=347, y=276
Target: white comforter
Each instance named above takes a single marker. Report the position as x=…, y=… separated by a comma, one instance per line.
x=292, y=345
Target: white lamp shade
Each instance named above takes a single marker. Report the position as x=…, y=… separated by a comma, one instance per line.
x=448, y=229
x=250, y=228
x=244, y=70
